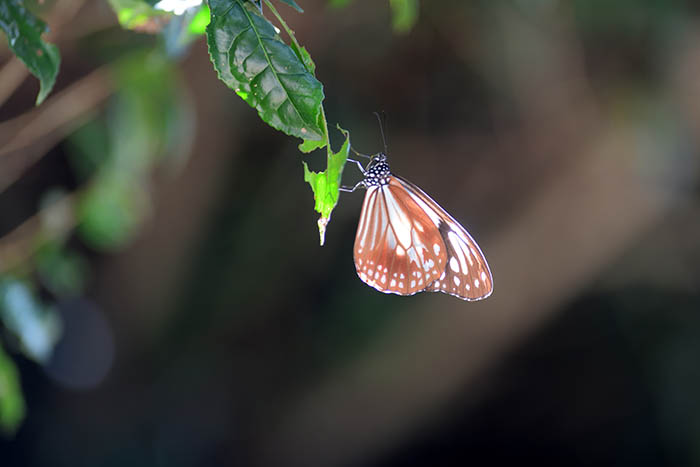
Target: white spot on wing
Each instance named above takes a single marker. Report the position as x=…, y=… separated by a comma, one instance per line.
x=436, y=249
x=390, y=239
x=412, y=255
x=453, y=265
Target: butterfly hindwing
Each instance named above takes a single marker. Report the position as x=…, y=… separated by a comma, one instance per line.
x=467, y=274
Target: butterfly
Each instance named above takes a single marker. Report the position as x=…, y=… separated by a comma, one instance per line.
x=406, y=243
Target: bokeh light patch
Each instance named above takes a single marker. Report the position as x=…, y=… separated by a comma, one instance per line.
x=84, y=355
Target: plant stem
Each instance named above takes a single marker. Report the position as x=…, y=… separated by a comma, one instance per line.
x=291, y=35
x=287, y=29
x=325, y=131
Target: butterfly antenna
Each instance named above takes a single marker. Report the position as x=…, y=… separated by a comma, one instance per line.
x=381, y=118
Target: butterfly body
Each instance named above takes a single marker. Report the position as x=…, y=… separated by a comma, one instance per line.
x=406, y=243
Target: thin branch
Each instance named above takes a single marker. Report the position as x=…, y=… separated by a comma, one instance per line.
x=287, y=29
x=12, y=74
x=54, y=120
x=21, y=243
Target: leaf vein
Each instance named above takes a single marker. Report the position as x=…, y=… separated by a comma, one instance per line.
x=269, y=61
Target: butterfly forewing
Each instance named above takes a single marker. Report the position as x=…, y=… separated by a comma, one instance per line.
x=398, y=249
x=467, y=273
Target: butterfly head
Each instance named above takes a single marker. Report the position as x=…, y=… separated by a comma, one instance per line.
x=377, y=172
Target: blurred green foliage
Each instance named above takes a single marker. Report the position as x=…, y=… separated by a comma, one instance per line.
x=200, y=21
x=339, y=3
x=143, y=122
x=143, y=125
x=135, y=13
x=110, y=210
x=112, y=155
x=405, y=14
x=12, y=408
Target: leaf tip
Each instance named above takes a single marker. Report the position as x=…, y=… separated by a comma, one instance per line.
x=322, y=224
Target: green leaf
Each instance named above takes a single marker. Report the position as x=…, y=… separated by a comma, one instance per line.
x=293, y=4
x=326, y=184
x=12, y=407
x=36, y=326
x=310, y=145
x=251, y=58
x=24, y=32
x=305, y=58
x=405, y=14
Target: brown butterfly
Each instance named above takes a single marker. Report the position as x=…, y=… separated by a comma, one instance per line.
x=406, y=243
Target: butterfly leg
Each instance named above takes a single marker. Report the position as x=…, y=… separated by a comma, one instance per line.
x=362, y=169
x=350, y=190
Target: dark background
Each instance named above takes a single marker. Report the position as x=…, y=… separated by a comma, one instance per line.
x=563, y=134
